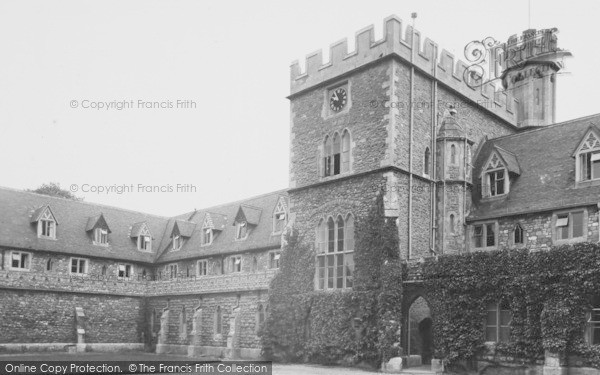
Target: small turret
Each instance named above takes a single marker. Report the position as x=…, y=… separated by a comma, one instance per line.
x=531, y=64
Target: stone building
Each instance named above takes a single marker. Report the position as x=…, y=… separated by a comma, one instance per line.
x=464, y=167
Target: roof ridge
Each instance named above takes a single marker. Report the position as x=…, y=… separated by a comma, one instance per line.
x=541, y=128
x=83, y=202
x=239, y=202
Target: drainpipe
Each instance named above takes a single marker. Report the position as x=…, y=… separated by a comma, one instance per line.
x=433, y=169
x=410, y=144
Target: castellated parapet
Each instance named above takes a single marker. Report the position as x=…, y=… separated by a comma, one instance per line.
x=441, y=66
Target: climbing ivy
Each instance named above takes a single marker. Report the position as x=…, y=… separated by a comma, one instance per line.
x=347, y=326
x=548, y=292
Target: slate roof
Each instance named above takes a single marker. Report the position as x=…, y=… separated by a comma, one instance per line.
x=260, y=236
x=74, y=218
x=16, y=230
x=544, y=158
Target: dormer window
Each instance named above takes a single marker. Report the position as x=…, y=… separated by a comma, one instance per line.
x=207, y=236
x=212, y=222
x=590, y=166
x=280, y=216
x=101, y=236
x=46, y=222
x=241, y=230
x=141, y=233
x=177, y=242
x=98, y=230
x=145, y=242
x=495, y=181
x=495, y=174
x=588, y=157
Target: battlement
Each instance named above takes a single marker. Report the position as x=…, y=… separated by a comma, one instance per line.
x=425, y=57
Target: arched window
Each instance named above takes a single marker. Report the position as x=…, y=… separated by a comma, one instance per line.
x=336, y=154
x=49, y=265
x=254, y=264
x=426, y=162
x=330, y=235
x=335, y=267
x=346, y=144
x=340, y=234
x=103, y=272
x=498, y=321
x=518, y=235
x=452, y=154
x=592, y=329
x=327, y=157
x=218, y=321
x=321, y=237
x=452, y=223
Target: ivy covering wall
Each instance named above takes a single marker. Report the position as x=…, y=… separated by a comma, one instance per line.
x=333, y=326
x=549, y=293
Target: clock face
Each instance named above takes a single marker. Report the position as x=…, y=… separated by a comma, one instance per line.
x=338, y=99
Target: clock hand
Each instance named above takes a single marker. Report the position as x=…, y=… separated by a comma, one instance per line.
x=335, y=97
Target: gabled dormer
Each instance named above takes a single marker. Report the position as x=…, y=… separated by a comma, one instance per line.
x=280, y=216
x=182, y=231
x=587, y=156
x=497, y=171
x=212, y=225
x=45, y=221
x=246, y=219
x=98, y=230
x=141, y=234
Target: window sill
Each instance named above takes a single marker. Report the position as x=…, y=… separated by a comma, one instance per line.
x=587, y=183
x=100, y=244
x=494, y=198
x=335, y=176
x=46, y=238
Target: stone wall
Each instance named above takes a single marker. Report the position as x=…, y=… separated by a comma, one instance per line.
x=248, y=303
x=30, y=316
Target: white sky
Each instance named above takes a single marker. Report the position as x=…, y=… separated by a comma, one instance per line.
x=232, y=58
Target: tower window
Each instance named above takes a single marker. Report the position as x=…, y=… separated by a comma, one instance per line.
x=335, y=266
x=218, y=321
x=426, y=162
x=452, y=223
x=336, y=154
x=452, y=154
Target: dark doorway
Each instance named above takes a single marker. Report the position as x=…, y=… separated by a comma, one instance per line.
x=426, y=340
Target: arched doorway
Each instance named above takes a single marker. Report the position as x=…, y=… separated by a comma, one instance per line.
x=420, y=330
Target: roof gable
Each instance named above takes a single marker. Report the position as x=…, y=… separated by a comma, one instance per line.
x=183, y=228
x=589, y=142
x=214, y=221
x=140, y=229
x=97, y=222
x=44, y=212
x=248, y=214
